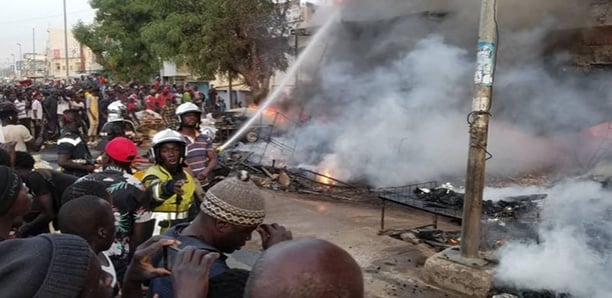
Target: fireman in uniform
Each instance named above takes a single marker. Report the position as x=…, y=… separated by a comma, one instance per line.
x=171, y=186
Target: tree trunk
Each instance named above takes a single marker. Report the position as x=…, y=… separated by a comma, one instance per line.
x=259, y=86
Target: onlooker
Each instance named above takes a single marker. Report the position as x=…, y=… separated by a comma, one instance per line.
x=128, y=199
x=51, y=265
x=85, y=188
x=307, y=268
x=46, y=187
x=73, y=154
x=91, y=218
x=50, y=106
x=22, y=113
x=168, y=114
x=211, y=100
x=14, y=132
x=91, y=101
x=230, y=212
x=6, y=159
x=15, y=200
x=37, y=115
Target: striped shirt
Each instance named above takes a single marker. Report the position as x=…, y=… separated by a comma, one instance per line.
x=21, y=109
x=197, y=153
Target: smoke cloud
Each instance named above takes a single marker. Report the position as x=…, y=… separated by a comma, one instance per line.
x=391, y=91
x=388, y=97
x=574, y=254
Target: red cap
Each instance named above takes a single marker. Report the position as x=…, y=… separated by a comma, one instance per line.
x=121, y=149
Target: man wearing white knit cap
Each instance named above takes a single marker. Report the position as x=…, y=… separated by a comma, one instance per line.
x=230, y=212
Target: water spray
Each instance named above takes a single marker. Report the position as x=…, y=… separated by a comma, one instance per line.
x=276, y=94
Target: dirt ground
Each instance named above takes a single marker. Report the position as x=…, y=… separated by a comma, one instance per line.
x=391, y=267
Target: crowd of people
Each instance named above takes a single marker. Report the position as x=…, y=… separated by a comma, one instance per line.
x=40, y=107
x=95, y=229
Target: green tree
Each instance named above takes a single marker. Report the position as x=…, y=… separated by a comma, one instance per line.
x=247, y=38
x=115, y=38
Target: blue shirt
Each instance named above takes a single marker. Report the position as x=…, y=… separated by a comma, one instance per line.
x=162, y=286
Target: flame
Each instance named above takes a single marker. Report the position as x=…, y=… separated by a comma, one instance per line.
x=270, y=113
x=324, y=179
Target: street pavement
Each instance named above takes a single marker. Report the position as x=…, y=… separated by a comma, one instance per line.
x=391, y=268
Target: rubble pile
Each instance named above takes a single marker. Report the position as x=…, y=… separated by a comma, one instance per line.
x=279, y=177
x=508, y=207
x=150, y=124
x=514, y=293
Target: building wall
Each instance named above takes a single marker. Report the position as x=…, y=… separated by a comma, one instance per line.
x=80, y=58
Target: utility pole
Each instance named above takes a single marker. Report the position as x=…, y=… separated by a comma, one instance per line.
x=296, y=53
x=66, y=44
x=33, y=61
x=20, y=59
x=479, y=127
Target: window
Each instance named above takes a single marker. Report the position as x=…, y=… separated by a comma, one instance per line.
x=57, y=66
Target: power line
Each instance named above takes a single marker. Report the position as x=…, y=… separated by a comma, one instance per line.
x=45, y=17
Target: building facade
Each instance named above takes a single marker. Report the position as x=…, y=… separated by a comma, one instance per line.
x=80, y=58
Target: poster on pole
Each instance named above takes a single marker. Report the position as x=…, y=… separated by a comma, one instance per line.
x=485, y=60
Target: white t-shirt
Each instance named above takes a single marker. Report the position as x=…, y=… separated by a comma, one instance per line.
x=19, y=134
x=39, y=110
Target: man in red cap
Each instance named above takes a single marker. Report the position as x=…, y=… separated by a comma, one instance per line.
x=129, y=201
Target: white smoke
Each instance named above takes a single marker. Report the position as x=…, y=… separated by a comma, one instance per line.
x=574, y=254
x=390, y=103
x=400, y=119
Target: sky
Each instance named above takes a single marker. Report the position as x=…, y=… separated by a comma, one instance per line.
x=18, y=20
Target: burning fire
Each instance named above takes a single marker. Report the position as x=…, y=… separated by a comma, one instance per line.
x=269, y=113
x=324, y=178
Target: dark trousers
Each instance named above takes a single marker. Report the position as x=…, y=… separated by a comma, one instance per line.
x=27, y=122
x=37, y=128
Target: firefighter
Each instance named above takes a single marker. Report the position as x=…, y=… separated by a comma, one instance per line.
x=172, y=188
x=201, y=156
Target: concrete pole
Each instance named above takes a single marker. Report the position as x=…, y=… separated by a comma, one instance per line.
x=296, y=54
x=33, y=61
x=479, y=127
x=66, y=44
x=20, y=59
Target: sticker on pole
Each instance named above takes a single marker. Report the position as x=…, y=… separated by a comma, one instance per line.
x=485, y=63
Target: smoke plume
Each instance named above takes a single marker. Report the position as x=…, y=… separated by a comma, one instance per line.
x=392, y=90
x=574, y=255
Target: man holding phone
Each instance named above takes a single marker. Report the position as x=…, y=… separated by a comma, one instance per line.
x=230, y=212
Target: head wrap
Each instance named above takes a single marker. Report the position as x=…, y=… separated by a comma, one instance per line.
x=235, y=201
x=10, y=185
x=48, y=265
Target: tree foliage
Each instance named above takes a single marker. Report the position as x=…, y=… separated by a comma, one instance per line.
x=247, y=38
x=115, y=38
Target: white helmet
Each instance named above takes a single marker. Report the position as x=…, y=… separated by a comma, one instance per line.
x=167, y=136
x=185, y=108
x=116, y=110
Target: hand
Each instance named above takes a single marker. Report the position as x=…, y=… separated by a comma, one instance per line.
x=177, y=187
x=202, y=176
x=90, y=168
x=140, y=268
x=272, y=234
x=190, y=272
x=22, y=231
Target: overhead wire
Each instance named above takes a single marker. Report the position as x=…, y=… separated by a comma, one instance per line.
x=46, y=17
